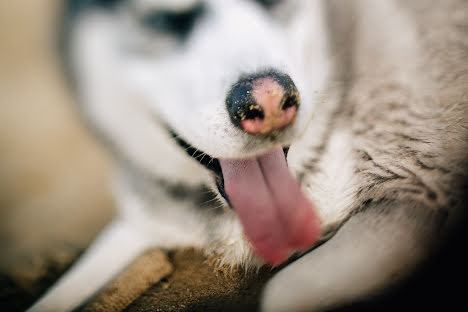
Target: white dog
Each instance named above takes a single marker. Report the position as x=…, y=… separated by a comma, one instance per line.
x=312, y=125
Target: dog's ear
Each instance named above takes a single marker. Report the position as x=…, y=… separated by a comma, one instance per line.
x=373, y=250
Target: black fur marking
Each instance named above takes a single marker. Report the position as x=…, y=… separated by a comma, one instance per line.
x=73, y=7
x=430, y=193
x=141, y=182
x=179, y=24
x=412, y=139
x=379, y=179
x=421, y=164
x=268, y=3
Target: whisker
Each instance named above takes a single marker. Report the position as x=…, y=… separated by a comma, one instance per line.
x=202, y=156
x=196, y=151
x=187, y=148
x=210, y=201
x=220, y=206
x=207, y=192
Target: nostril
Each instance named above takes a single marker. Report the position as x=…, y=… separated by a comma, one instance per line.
x=254, y=112
x=290, y=101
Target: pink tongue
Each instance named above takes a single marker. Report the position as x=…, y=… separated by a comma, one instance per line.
x=275, y=214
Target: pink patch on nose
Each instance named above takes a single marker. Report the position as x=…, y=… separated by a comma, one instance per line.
x=269, y=95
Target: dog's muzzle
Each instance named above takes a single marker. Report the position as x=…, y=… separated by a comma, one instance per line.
x=277, y=217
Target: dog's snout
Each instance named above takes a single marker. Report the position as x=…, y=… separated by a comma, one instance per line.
x=263, y=103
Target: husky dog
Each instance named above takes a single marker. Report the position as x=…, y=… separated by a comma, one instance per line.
x=331, y=131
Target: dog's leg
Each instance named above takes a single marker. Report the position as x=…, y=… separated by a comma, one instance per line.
x=374, y=249
x=115, y=248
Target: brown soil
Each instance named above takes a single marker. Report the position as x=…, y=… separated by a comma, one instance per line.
x=195, y=285
x=143, y=273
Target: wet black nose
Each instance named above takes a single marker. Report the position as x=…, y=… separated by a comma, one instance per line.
x=262, y=103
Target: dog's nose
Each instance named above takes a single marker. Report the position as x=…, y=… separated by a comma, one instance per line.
x=263, y=103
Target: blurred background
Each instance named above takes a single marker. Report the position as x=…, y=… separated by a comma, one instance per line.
x=53, y=175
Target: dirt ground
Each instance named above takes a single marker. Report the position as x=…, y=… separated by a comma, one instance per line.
x=54, y=179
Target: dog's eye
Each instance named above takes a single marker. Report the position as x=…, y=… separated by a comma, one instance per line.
x=174, y=23
x=268, y=3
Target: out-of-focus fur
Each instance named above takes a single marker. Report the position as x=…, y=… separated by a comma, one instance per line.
x=380, y=144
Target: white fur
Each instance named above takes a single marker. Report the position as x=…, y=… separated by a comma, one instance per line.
x=333, y=187
x=368, y=253
x=221, y=49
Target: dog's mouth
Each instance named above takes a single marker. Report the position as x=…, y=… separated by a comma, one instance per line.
x=209, y=162
x=276, y=216
x=206, y=160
